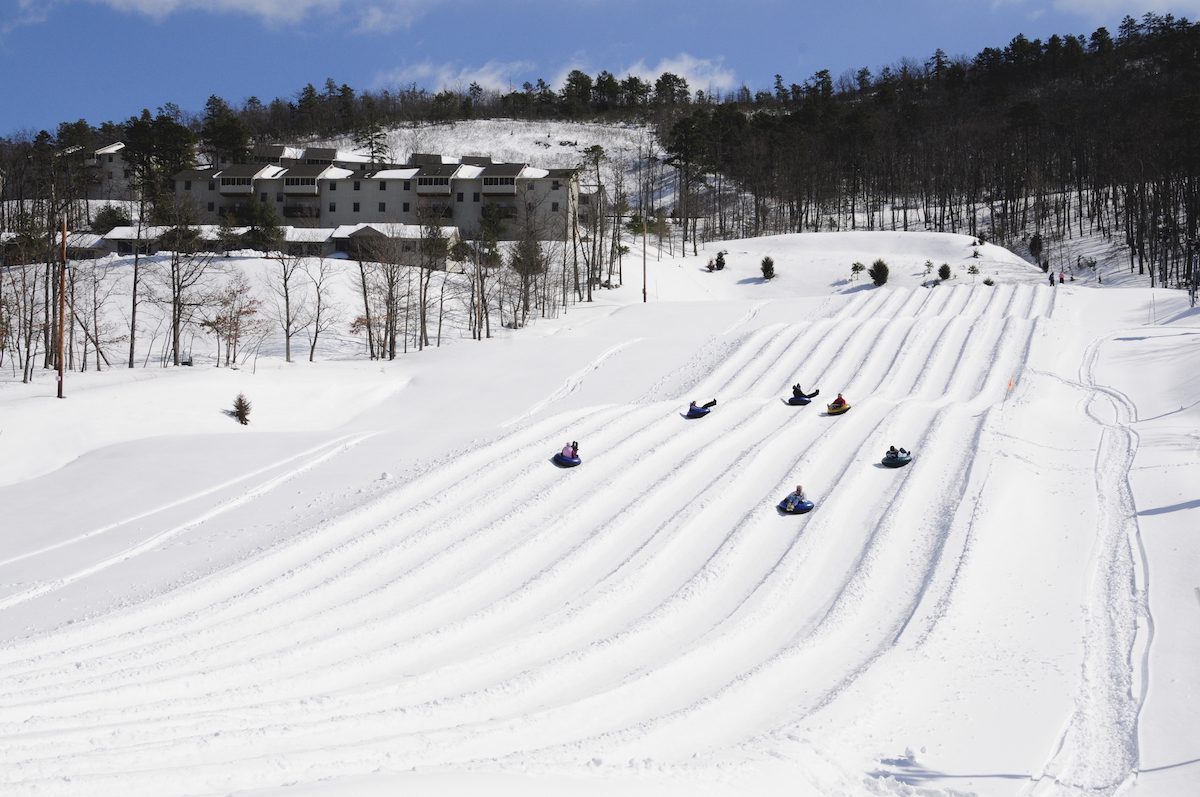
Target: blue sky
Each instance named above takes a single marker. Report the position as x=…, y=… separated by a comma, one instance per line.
x=107, y=59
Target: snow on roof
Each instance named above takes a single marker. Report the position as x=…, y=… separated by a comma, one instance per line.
x=212, y=232
x=195, y=174
x=352, y=157
x=533, y=171
x=395, y=174
x=382, y=228
x=389, y=230
x=131, y=233
x=469, y=172
x=263, y=171
x=111, y=148
x=84, y=240
x=337, y=173
x=307, y=235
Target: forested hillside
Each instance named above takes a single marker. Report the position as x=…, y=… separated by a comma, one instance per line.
x=1032, y=143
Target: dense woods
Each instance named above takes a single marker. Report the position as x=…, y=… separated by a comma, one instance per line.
x=1029, y=145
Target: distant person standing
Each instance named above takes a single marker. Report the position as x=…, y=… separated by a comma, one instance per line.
x=1052, y=280
x=1061, y=278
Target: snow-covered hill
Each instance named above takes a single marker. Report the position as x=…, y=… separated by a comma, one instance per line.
x=382, y=584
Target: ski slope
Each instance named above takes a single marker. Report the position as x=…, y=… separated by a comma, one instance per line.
x=417, y=599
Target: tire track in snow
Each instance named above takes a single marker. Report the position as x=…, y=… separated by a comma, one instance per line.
x=1097, y=753
x=572, y=382
x=468, y=727
x=318, y=456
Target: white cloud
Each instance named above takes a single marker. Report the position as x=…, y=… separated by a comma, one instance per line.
x=492, y=76
x=27, y=12
x=700, y=73
x=375, y=15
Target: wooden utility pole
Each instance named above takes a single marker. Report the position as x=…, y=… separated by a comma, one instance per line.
x=643, y=256
x=62, y=311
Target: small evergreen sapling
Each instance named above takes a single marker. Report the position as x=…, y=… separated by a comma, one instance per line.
x=878, y=272
x=768, y=268
x=856, y=270
x=241, y=409
x=944, y=271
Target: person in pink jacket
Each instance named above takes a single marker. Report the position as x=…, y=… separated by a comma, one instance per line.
x=570, y=450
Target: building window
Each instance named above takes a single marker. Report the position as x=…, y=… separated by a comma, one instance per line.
x=383, y=185
x=333, y=185
x=110, y=159
x=475, y=197
x=405, y=207
x=383, y=207
x=211, y=207
x=311, y=181
x=529, y=186
x=357, y=185
x=263, y=196
x=278, y=196
x=554, y=185
x=355, y=207
x=459, y=197
x=187, y=185
x=333, y=207
x=554, y=207
x=212, y=186
x=407, y=185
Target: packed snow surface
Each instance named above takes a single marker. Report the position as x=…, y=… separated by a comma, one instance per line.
x=382, y=585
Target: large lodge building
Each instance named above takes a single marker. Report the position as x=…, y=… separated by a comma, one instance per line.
x=321, y=187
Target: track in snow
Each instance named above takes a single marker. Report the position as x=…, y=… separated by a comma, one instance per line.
x=473, y=627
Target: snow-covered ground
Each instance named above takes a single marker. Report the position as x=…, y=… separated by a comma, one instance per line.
x=382, y=584
x=545, y=144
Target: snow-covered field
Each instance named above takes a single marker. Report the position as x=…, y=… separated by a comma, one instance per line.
x=382, y=585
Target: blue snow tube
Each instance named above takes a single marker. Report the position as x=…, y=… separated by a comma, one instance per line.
x=898, y=461
x=566, y=462
x=799, y=401
x=697, y=412
x=791, y=506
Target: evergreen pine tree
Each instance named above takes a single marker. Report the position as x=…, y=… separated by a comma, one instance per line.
x=878, y=272
x=241, y=409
